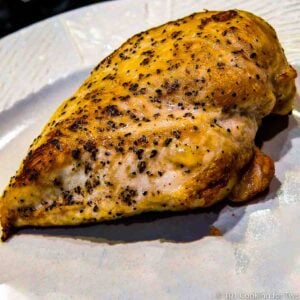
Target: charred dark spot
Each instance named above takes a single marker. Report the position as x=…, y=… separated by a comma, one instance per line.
x=120, y=149
x=188, y=114
x=167, y=141
x=77, y=124
x=32, y=174
x=158, y=92
x=139, y=153
x=219, y=183
x=123, y=56
x=142, y=91
x=160, y=173
x=176, y=134
x=56, y=143
x=68, y=197
x=237, y=51
x=57, y=133
x=109, y=77
x=175, y=34
x=77, y=190
x=112, y=110
x=26, y=210
x=87, y=168
x=124, y=98
x=57, y=181
x=88, y=186
x=141, y=166
x=97, y=67
x=128, y=195
x=173, y=87
x=111, y=124
x=204, y=22
x=96, y=182
x=142, y=140
x=153, y=153
x=145, y=61
x=148, y=53
x=133, y=87
x=90, y=147
x=224, y=16
x=76, y=153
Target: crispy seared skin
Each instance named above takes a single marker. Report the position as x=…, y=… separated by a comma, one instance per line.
x=256, y=178
x=166, y=122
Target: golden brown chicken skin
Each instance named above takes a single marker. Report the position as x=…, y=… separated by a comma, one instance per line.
x=166, y=122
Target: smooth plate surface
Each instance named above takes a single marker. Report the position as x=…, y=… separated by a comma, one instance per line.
x=156, y=256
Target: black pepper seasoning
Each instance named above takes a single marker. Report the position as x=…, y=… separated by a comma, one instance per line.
x=141, y=166
x=167, y=142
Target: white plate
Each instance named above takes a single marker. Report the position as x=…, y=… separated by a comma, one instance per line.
x=155, y=256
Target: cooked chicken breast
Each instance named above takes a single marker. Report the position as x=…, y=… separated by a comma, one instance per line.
x=166, y=122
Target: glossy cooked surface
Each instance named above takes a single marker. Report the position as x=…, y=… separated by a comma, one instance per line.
x=166, y=122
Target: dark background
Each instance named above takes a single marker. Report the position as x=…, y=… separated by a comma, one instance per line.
x=15, y=14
